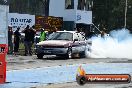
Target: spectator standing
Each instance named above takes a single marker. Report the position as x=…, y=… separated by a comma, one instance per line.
x=33, y=32
x=10, y=43
x=29, y=39
x=16, y=40
x=42, y=35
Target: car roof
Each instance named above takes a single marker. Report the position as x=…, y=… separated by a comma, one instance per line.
x=68, y=31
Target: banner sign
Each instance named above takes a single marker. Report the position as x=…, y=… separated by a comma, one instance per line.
x=49, y=23
x=84, y=17
x=20, y=20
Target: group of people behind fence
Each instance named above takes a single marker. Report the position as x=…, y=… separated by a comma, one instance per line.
x=29, y=37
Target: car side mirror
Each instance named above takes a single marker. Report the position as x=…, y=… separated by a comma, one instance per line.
x=75, y=40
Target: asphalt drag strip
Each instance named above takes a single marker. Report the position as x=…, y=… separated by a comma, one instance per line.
x=28, y=78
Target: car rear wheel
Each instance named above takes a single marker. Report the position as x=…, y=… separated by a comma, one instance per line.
x=82, y=54
x=40, y=56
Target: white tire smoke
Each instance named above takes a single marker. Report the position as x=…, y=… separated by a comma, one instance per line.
x=117, y=45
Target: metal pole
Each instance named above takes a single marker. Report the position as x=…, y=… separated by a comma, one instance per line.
x=125, y=14
x=96, y=27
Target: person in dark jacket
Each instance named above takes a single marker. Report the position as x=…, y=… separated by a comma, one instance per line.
x=29, y=39
x=16, y=40
x=10, y=43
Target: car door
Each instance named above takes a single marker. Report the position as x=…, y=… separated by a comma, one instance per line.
x=75, y=45
x=82, y=43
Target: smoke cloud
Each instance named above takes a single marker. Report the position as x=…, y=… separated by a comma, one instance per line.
x=117, y=45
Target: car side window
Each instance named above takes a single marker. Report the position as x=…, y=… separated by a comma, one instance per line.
x=81, y=37
x=76, y=36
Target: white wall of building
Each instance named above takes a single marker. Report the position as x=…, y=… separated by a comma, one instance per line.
x=57, y=8
x=4, y=10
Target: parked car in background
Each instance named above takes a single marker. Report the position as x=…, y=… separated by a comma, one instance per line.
x=62, y=43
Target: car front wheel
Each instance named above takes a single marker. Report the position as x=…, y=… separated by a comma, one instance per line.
x=69, y=53
x=40, y=56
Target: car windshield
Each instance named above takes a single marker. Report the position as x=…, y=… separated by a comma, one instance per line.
x=61, y=36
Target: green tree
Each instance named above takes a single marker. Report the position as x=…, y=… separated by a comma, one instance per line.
x=111, y=13
x=37, y=7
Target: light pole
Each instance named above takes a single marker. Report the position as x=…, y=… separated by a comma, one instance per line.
x=125, y=14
